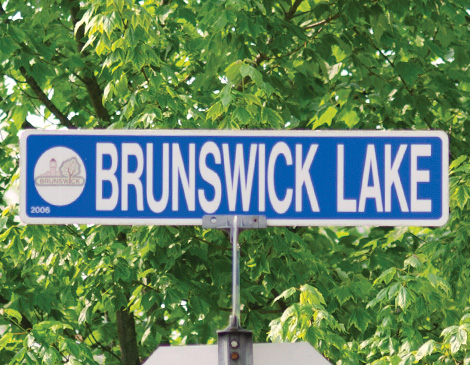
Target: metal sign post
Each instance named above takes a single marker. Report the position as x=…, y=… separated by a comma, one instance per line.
x=235, y=344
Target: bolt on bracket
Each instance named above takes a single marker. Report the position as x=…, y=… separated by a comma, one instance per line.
x=226, y=222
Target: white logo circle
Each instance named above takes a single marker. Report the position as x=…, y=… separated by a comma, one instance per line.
x=59, y=176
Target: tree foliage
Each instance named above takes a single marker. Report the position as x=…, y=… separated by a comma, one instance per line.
x=110, y=294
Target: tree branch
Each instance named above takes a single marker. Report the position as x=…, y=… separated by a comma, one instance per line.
x=27, y=125
x=145, y=75
x=392, y=64
x=322, y=22
x=260, y=57
x=126, y=326
x=90, y=82
x=25, y=324
x=136, y=282
x=45, y=100
x=100, y=345
x=127, y=337
x=2, y=12
x=39, y=93
x=290, y=14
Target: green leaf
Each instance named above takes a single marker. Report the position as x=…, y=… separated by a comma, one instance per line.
x=409, y=71
x=291, y=311
x=5, y=340
x=304, y=6
x=19, y=356
x=121, y=86
x=333, y=70
x=19, y=115
x=101, y=47
x=339, y=53
x=465, y=319
x=350, y=118
x=108, y=91
x=461, y=195
x=146, y=334
x=458, y=339
x=73, y=348
x=85, y=315
x=233, y=71
x=438, y=282
x=241, y=114
x=226, y=95
x=215, y=111
x=253, y=73
x=466, y=361
x=326, y=117
x=343, y=294
x=55, y=326
x=84, y=20
x=393, y=290
x=379, y=24
x=413, y=261
x=272, y=118
x=360, y=319
x=13, y=313
x=122, y=271
x=311, y=295
x=51, y=356
x=386, y=276
x=457, y=162
x=109, y=23
x=402, y=299
x=425, y=350
x=7, y=47
x=286, y=294
x=251, y=99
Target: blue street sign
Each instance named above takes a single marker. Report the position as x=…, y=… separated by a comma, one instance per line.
x=293, y=178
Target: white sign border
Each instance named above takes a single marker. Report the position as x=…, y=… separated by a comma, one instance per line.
x=259, y=133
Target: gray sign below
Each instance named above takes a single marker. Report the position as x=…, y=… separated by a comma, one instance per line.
x=298, y=353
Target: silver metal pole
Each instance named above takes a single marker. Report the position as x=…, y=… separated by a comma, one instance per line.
x=235, y=320
x=235, y=344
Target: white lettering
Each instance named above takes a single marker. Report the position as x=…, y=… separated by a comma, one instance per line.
x=343, y=205
x=419, y=176
x=392, y=178
x=179, y=173
x=158, y=206
x=103, y=175
x=208, y=175
x=132, y=178
x=280, y=206
x=246, y=181
x=303, y=177
x=262, y=177
x=372, y=191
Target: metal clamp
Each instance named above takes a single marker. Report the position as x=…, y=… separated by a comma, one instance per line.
x=235, y=344
x=226, y=222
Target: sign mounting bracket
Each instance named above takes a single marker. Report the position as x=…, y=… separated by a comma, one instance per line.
x=235, y=344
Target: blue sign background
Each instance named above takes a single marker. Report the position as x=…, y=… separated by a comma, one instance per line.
x=323, y=172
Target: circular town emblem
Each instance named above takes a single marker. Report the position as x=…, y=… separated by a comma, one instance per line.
x=59, y=176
